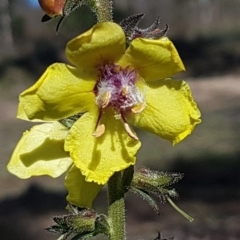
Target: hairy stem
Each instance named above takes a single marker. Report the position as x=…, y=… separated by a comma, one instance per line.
x=116, y=211
x=102, y=8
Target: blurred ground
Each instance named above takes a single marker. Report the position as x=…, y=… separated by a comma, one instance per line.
x=24, y=218
x=209, y=158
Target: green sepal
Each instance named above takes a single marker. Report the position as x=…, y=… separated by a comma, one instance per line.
x=156, y=183
x=156, y=178
x=132, y=31
x=145, y=196
x=101, y=227
x=80, y=222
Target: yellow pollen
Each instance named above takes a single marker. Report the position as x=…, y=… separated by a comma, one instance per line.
x=124, y=90
x=130, y=132
x=138, y=108
x=100, y=130
x=106, y=98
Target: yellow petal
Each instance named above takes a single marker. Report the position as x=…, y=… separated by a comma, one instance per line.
x=153, y=59
x=170, y=112
x=103, y=43
x=80, y=192
x=40, y=151
x=62, y=91
x=98, y=158
x=21, y=114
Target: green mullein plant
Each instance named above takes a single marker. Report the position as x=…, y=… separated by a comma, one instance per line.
x=119, y=77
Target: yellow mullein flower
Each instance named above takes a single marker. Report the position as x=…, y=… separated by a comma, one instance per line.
x=41, y=152
x=113, y=87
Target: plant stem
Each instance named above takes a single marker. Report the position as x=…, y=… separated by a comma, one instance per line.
x=102, y=8
x=116, y=211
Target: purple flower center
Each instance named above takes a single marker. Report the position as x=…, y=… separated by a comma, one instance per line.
x=117, y=88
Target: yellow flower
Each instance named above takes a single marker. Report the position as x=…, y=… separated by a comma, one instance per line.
x=113, y=87
x=41, y=152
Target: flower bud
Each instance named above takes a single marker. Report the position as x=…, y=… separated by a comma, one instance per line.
x=52, y=8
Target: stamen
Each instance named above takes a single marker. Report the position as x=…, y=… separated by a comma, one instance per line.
x=100, y=130
x=129, y=131
x=124, y=90
x=117, y=90
x=106, y=98
x=139, y=107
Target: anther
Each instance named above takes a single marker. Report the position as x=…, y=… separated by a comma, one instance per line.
x=138, y=108
x=105, y=99
x=100, y=130
x=124, y=90
x=129, y=131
